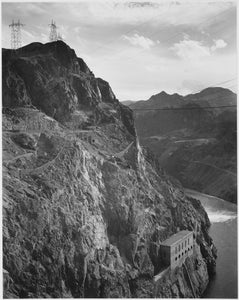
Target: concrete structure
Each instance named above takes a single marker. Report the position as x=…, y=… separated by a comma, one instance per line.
x=177, y=248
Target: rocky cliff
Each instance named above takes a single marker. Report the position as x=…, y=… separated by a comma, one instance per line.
x=84, y=208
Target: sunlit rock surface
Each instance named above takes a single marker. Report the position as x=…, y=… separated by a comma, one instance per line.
x=84, y=207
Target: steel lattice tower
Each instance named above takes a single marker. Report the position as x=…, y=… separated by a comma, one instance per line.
x=59, y=37
x=16, y=40
x=53, y=32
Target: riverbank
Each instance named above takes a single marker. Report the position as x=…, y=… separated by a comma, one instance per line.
x=223, y=217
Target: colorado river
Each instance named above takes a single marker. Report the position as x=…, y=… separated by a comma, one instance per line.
x=223, y=217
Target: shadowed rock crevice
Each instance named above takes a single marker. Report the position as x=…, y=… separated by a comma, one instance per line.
x=85, y=208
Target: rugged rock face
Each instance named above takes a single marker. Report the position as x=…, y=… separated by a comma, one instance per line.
x=84, y=209
x=188, y=281
x=51, y=78
x=195, y=144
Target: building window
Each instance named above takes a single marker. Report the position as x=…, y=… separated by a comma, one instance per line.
x=176, y=258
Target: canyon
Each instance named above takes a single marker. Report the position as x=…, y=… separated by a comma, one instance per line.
x=85, y=206
x=194, y=138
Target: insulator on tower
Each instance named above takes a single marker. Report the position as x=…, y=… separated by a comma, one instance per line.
x=53, y=33
x=59, y=37
x=16, y=39
x=54, y=36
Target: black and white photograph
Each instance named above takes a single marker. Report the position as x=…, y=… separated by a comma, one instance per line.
x=119, y=149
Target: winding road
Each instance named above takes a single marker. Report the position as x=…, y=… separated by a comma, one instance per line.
x=213, y=166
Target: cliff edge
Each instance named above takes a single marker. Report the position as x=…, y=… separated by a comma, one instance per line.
x=84, y=208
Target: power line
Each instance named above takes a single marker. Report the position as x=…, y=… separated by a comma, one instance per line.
x=232, y=86
x=131, y=30
x=211, y=86
x=205, y=21
x=185, y=108
x=215, y=84
x=158, y=31
x=178, y=33
x=227, y=80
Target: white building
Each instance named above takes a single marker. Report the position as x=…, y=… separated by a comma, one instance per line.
x=177, y=248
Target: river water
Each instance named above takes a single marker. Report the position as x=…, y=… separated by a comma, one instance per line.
x=223, y=217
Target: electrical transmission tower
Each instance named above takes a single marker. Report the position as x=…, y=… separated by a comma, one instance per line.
x=59, y=37
x=16, y=39
x=53, y=33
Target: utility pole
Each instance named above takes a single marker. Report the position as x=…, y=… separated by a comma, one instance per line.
x=53, y=33
x=16, y=39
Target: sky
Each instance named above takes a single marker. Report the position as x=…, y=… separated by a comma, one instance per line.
x=140, y=47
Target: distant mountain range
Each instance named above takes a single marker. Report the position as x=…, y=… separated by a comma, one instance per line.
x=85, y=208
x=127, y=102
x=211, y=96
x=194, y=137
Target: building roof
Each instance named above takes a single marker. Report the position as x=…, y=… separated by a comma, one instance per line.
x=176, y=237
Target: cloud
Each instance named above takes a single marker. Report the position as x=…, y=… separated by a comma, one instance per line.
x=194, y=50
x=116, y=35
x=141, y=41
x=218, y=44
x=190, y=49
x=198, y=13
x=124, y=12
x=134, y=4
x=44, y=38
x=28, y=34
